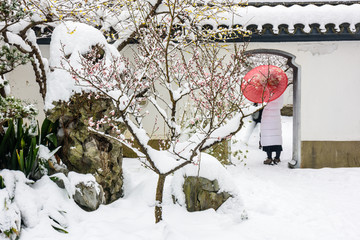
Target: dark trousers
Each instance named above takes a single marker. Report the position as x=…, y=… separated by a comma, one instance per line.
x=274, y=148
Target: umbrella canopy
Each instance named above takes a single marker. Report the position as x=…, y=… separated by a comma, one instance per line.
x=264, y=83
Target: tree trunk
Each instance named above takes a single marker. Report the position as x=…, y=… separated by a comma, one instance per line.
x=159, y=197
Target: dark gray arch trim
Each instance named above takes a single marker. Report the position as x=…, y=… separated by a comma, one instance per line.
x=296, y=155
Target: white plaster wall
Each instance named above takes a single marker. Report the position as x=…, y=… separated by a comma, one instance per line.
x=329, y=81
x=330, y=88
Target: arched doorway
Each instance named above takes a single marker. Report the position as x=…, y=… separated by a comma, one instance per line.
x=286, y=61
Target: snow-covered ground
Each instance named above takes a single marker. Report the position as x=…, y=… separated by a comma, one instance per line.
x=281, y=203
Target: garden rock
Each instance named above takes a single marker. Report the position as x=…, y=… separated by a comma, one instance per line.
x=84, y=151
x=202, y=194
x=88, y=195
x=83, y=188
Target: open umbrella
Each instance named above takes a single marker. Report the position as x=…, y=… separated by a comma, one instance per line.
x=264, y=83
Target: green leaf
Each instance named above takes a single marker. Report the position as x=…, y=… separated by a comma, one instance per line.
x=45, y=129
x=22, y=143
x=52, y=138
x=20, y=158
x=60, y=229
x=14, y=162
x=4, y=145
x=54, y=179
x=38, y=136
x=31, y=157
x=2, y=183
x=20, y=130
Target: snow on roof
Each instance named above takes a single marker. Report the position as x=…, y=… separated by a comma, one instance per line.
x=287, y=20
x=296, y=2
x=306, y=15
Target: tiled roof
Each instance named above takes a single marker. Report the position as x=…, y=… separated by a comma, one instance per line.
x=286, y=21
x=274, y=21
x=288, y=3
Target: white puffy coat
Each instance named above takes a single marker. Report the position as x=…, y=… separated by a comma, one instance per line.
x=270, y=127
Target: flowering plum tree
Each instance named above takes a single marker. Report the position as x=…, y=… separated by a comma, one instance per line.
x=173, y=64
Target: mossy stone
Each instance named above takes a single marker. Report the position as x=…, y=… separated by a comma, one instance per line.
x=201, y=194
x=84, y=151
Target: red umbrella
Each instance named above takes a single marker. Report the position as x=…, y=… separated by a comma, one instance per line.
x=264, y=83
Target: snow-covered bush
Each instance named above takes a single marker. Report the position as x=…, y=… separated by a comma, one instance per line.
x=27, y=204
x=13, y=108
x=10, y=217
x=10, y=58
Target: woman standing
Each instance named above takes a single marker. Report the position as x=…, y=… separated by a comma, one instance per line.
x=270, y=130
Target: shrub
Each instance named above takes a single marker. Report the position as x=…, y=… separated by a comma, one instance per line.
x=19, y=146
